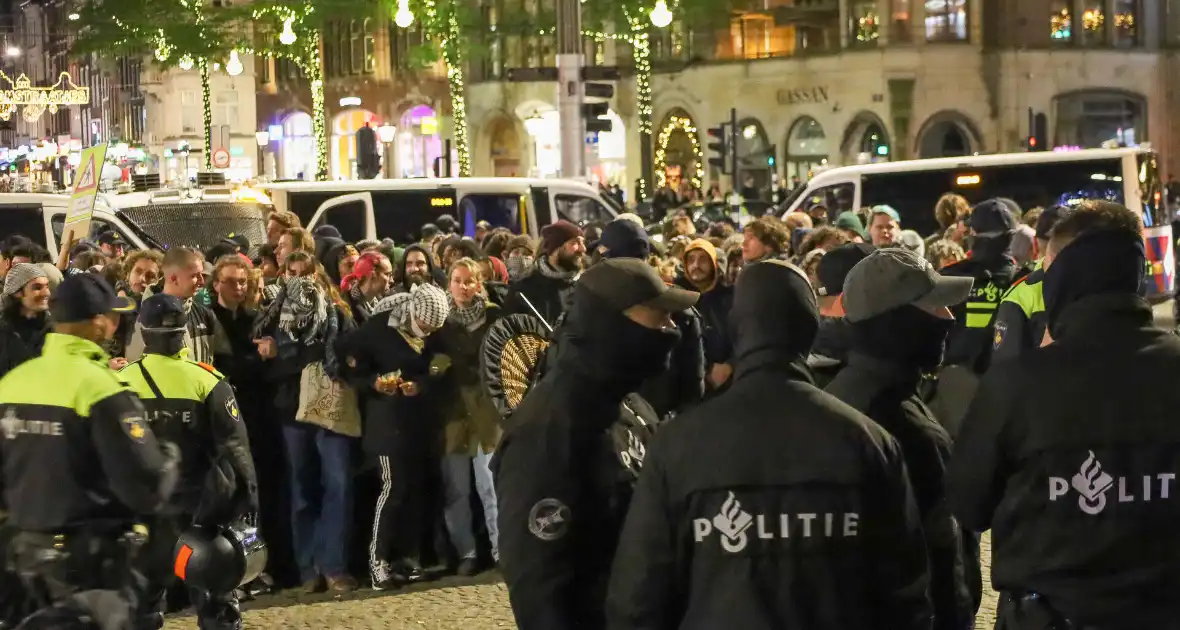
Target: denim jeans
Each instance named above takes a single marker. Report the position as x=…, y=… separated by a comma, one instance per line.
x=456, y=470
x=320, y=473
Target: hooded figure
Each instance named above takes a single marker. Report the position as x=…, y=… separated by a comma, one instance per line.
x=793, y=512
x=1068, y=453
x=897, y=308
x=705, y=274
x=418, y=273
x=571, y=449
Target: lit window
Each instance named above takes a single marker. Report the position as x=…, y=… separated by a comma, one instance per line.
x=1060, y=21
x=1093, y=23
x=946, y=20
x=1126, y=23
x=901, y=21
x=864, y=22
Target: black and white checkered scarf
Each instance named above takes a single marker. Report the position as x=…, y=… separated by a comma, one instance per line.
x=425, y=302
x=300, y=309
x=469, y=317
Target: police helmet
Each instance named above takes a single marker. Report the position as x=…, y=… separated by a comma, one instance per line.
x=219, y=559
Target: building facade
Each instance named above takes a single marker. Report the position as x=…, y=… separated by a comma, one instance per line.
x=376, y=75
x=831, y=82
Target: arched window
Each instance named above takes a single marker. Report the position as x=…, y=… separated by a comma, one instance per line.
x=807, y=149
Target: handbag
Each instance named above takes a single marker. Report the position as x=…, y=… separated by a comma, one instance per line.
x=327, y=403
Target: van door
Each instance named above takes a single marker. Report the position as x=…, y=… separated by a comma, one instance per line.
x=351, y=214
x=101, y=221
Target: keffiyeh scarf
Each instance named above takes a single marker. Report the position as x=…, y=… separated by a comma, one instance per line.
x=424, y=302
x=549, y=271
x=364, y=306
x=300, y=308
x=469, y=317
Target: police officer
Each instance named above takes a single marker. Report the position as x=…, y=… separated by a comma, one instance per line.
x=1076, y=477
x=969, y=345
x=80, y=462
x=1020, y=320
x=191, y=405
x=773, y=505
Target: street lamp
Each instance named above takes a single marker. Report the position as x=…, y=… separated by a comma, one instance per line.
x=12, y=51
x=263, y=139
x=74, y=17
x=185, y=63
x=287, y=37
x=234, y=67
x=386, y=133
x=404, y=17
x=660, y=15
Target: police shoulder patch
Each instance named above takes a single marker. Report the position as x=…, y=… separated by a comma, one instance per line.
x=1001, y=332
x=134, y=426
x=549, y=519
x=231, y=407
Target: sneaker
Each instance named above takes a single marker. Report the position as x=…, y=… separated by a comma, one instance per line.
x=314, y=585
x=382, y=577
x=342, y=584
x=468, y=567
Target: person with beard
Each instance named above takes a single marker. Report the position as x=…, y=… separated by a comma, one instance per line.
x=547, y=286
x=795, y=512
x=703, y=274
x=184, y=275
x=24, y=315
x=390, y=363
x=1069, y=454
x=969, y=346
x=417, y=267
x=560, y=476
x=897, y=308
x=830, y=352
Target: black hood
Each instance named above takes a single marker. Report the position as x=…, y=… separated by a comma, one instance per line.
x=774, y=318
x=1098, y=263
x=328, y=251
x=833, y=340
x=612, y=355
x=434, y=273
x=992, y=249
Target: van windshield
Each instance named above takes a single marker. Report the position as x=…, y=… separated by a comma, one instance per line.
x=201, y=224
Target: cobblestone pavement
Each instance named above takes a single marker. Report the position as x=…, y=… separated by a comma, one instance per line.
x=452, y=604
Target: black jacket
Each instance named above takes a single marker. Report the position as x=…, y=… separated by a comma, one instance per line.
x=774, y=505
x=888, y=393
x=683, y=384
x=829, y=353
x=971, y=341
x=242, y=364
x=21, y=338
x=1058, y=456
x=713, y=308
x=548, y=295
x=374, y=349
x=564, y=471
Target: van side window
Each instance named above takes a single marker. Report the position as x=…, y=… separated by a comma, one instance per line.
x=836, y=198
x=349, y=218
x=500, y=210
x=540, y=198
x=579, y=210
x=97, y=226
x=24, y=220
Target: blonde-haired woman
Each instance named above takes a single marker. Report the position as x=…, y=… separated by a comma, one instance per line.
x=472, y=422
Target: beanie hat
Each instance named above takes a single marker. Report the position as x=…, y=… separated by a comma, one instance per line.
x=520, y=242
x=556, y=234
x=20, y=275
x=52, y=273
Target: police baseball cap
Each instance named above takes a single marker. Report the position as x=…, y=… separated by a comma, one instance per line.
x=626, y=282
x=111, y=237
x=991, y=218
x=894, y=277
x=1048, y=219
x=163, y=313
x=83, y=296
x=833, y=268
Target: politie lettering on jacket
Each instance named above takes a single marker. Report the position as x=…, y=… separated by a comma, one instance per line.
x=736, y=528
x=14, y=427
x=1093, y=486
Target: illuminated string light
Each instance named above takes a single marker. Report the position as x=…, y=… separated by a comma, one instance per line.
x=206, y=111
x=674, y=124
x=287, y=37
x=185, y=63
x=404, y=17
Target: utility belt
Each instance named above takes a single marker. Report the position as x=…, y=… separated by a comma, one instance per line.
x=86, y=558
x=1031, y=611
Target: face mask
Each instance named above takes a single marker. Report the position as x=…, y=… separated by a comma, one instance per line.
x=645, y=352
x=518, y=265
x=416, y=331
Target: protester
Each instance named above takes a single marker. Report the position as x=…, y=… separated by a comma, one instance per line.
x=950, y=209
x=849, y=223
x=558, y=529
x=833, y=339
x=703, y=274
x=543, y=290
x=1078, y=490
x=794, y=513
x=24, y=315
x=898, y=311
x=417, y=267
x=278, y=223
x=944, y=252
x=764, y=238
x=884, y=226
x=472, y=422
x=389, y=360
x=369, y=283
x=184, y=274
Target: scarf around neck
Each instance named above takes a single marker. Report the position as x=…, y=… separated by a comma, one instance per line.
x=300, y=310
x=364, y=306
x=549, y=271
x=469, y=317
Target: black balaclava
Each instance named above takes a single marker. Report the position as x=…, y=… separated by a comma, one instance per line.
x=907, y=336
x=1095, y=263
x=164, y=342
x=610, y=349
x=774, y=318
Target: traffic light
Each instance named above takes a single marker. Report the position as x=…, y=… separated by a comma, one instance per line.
x=720, y=147
x=770, y=152
x=592, y=112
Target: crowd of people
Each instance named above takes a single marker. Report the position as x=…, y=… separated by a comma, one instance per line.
x=820, y=394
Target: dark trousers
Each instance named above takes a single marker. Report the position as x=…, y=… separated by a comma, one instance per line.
x=264, y=426
x=156, y=564
x=402, y=523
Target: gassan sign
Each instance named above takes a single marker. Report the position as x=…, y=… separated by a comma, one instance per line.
x=803, y=96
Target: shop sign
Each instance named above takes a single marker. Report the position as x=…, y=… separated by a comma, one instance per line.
x=803, y=96
x=35, y=101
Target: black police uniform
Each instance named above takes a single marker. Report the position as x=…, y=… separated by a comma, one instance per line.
x=190, y=404
x=1070, y=456
x=774, y=505
x=566, y=464
x=80, y=462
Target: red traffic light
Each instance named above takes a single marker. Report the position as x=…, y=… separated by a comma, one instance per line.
x=717, y=132
x=1032, y=142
